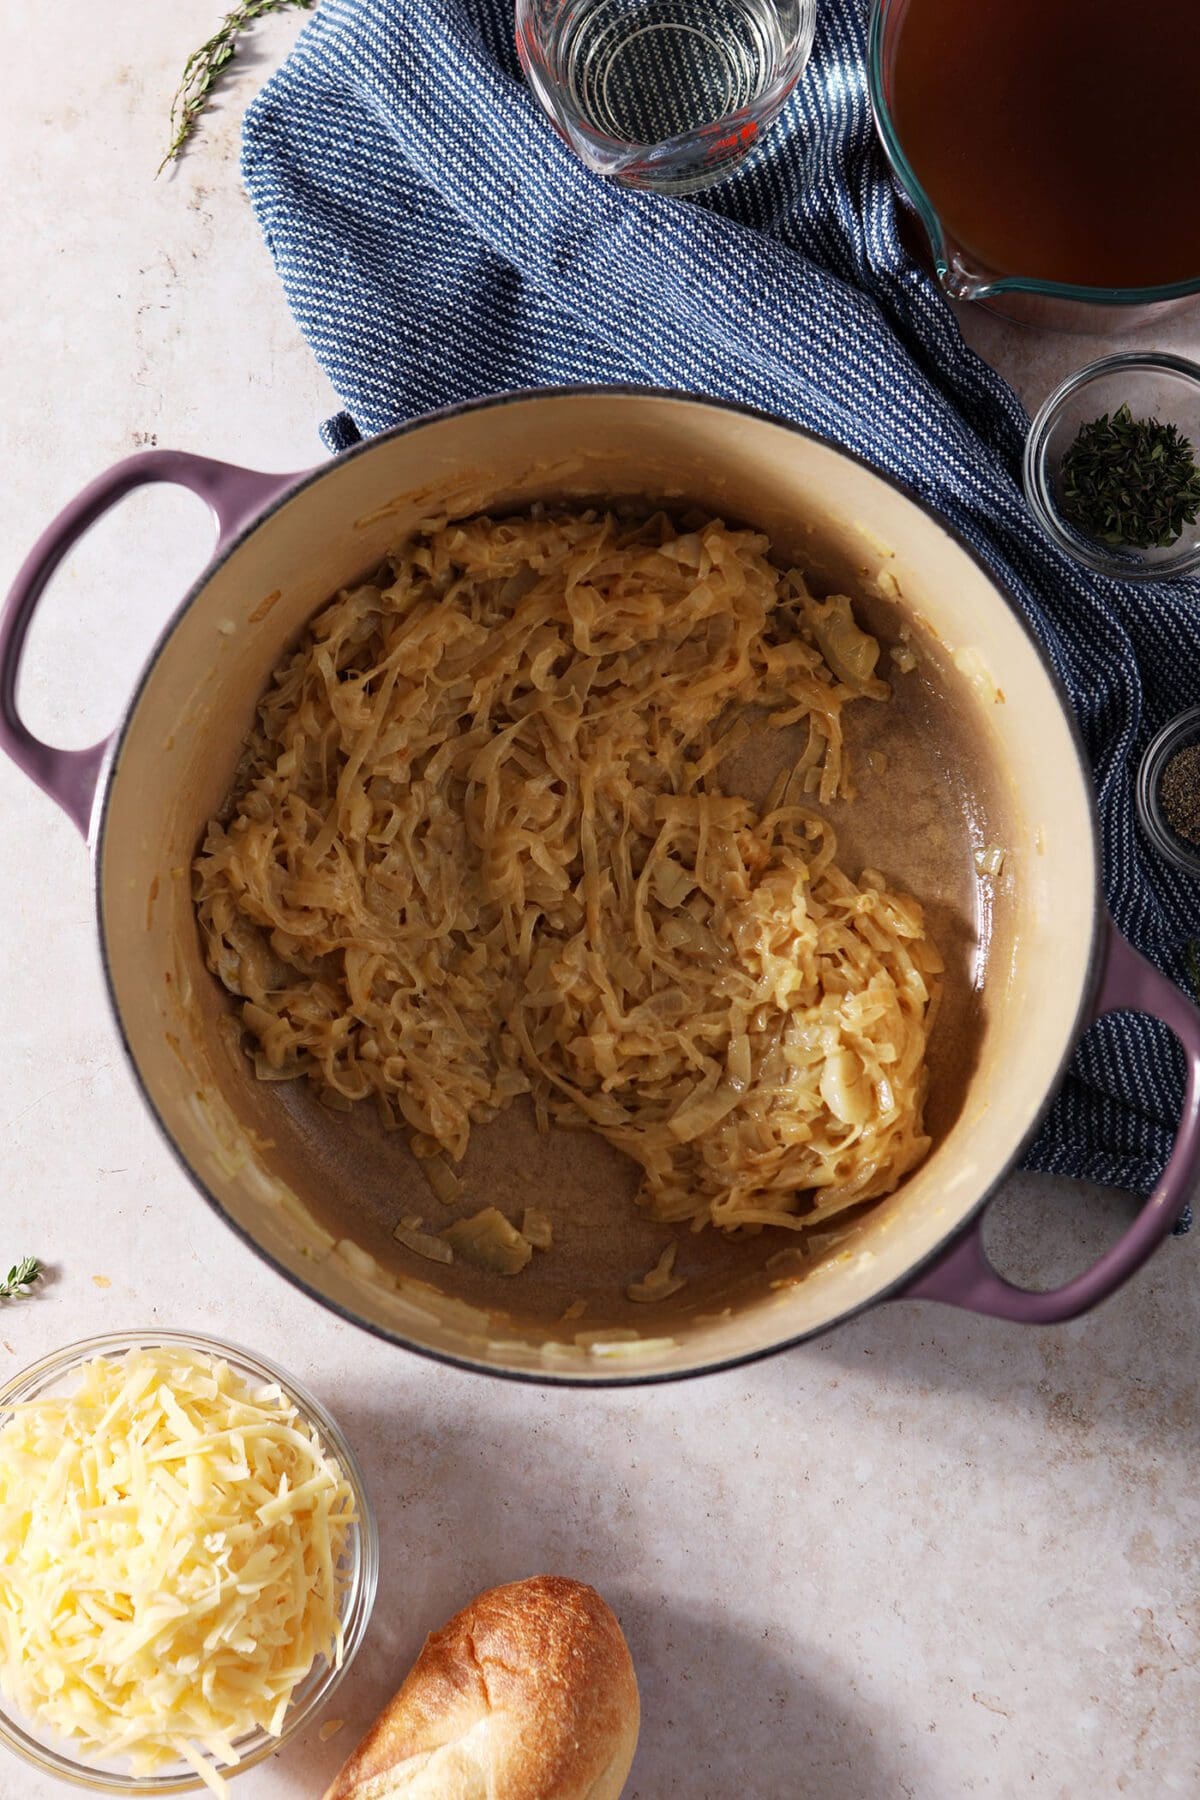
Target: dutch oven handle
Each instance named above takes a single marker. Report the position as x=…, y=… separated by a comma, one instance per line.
x=962, y=1274
x=235, y=495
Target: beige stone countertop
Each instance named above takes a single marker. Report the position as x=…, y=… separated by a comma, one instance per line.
x=927, y=1556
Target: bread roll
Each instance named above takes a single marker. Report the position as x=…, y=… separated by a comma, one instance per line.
x=527, y=1694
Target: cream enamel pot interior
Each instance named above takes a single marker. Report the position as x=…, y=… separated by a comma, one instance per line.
x=286, y=543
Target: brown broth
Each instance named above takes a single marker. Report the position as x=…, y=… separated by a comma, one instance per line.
x=1056, y=139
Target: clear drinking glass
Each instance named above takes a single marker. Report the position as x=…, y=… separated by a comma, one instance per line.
x=664, y=94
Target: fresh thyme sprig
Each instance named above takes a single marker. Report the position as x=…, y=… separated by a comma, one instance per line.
x=203, y=68
x=20, y=1279
x=1131, y=481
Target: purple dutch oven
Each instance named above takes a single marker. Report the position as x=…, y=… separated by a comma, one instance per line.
x=317, y=1193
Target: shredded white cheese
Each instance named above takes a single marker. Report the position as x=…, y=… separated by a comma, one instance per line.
x=171, y=1551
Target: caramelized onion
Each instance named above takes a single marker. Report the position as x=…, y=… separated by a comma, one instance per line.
x=480, y=845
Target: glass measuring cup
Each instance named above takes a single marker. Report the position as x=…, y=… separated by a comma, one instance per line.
x=1010, y=293
x=664, y=94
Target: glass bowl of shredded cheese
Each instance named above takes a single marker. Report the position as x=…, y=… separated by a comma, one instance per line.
x=188, y=1561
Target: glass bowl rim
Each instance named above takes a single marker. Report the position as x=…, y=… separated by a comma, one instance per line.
x=359, y=1594
x=1183, y=728
x=989, y=283
x=625, y=153
x=1036, y=484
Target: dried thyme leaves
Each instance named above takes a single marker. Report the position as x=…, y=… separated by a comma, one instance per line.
x=1130, y=481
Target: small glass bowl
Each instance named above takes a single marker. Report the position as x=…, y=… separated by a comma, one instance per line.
x=50, y=1753
x=1178, y=732
x=1154, y=386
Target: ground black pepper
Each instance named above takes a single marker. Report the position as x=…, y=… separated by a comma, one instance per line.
x=1179, y=792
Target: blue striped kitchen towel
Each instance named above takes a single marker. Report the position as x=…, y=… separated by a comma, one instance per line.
x=437, y=241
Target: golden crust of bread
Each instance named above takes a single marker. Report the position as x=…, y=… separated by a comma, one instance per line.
x=527, y=1694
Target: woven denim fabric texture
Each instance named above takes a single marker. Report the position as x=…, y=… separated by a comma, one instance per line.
x=437, y=242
